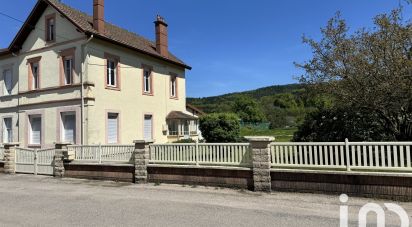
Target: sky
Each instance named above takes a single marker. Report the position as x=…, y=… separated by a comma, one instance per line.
x=232, y=45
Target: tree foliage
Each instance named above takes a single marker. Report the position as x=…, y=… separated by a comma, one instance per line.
x=248, y=110
x=220, y=127
x=367, y=72
x=335, y=125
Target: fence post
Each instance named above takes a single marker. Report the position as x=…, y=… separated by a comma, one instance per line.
x=100, y=153
x=10, y=158
x=260, y=148
x=61, y=150
x=347, y=154
x=141, y=160
x=35, y=161
x=197, y=152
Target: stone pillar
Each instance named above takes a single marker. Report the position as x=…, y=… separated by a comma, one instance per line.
x=141, y=160
x=260, y=148
x=10, y=158
x=59, y=156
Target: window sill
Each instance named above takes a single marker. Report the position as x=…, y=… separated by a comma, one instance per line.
x=148, y=94
x=112, y=88
x=34, y=145
x=174, y=98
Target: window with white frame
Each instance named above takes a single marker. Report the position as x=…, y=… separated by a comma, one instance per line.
x=112, y=128
x=173, y=127
x=173, y=86
x=35, y=80
x=147, y=82
x=68, y=129
x=111, y=73
x=68, y=70
x=51, y=29
x=185, y=127
x=8, y=81
x=193, y=127
x=7, y=130
x=35, y=133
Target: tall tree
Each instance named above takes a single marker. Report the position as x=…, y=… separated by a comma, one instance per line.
x=248, y=110
x=369, y=70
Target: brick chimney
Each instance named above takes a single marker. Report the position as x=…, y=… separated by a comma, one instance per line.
x=161, y=36
x=98, y=15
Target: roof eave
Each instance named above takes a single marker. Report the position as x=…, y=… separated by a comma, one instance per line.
x=137, y=49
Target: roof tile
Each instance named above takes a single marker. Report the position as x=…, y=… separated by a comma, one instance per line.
x=113, y=32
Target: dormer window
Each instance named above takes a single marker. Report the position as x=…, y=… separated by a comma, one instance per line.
x=51, y=28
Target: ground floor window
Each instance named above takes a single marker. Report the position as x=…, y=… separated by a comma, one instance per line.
x=148, y=127
x=173, y=127
x=35, y=132
x=68, y=129
x=182, y=127
x=7, y=130
x=112, y=128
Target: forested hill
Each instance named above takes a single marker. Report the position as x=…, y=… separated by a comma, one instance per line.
x=222, y=103
x=281, y=105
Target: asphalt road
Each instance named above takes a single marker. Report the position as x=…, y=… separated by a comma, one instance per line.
x=27, y=200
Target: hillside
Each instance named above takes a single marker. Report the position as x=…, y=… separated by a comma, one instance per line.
x=224, y=103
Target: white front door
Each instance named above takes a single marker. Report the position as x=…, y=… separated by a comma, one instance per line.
x=148, y=127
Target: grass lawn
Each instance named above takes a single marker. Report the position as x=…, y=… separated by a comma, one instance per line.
x=280, y=134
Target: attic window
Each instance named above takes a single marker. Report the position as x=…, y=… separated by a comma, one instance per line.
x=51, y=28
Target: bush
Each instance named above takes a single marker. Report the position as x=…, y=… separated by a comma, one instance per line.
x=334, y=125
x=185, y=141
x=220, y=127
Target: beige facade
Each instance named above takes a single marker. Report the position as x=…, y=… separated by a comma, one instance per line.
x=88, y=103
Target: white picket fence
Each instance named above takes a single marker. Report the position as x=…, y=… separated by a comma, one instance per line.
x=217, y=154
x=1, y=153
x=366, y=156
x=102, y=153
x=385, y=156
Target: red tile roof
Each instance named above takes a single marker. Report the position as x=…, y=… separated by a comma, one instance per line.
x=112, y=33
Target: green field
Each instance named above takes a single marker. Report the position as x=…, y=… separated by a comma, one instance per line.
x=280, y=134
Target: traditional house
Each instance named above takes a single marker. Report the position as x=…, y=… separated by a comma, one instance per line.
x=70, y=77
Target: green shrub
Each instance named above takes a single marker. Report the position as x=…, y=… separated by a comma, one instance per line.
x=220, y=127
x=185, y=141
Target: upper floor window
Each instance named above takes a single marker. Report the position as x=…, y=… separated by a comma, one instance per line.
x=51, y=28
x=35, y=75
x=112, y=71
x=68, y=70
x=173, y=87
x=8, y=81
x=147, y=81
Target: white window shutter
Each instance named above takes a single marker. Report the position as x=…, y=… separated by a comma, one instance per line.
x=148, y=124
x=7, y=130
x=35, y=123
x=112, y=128
x=69, y=128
